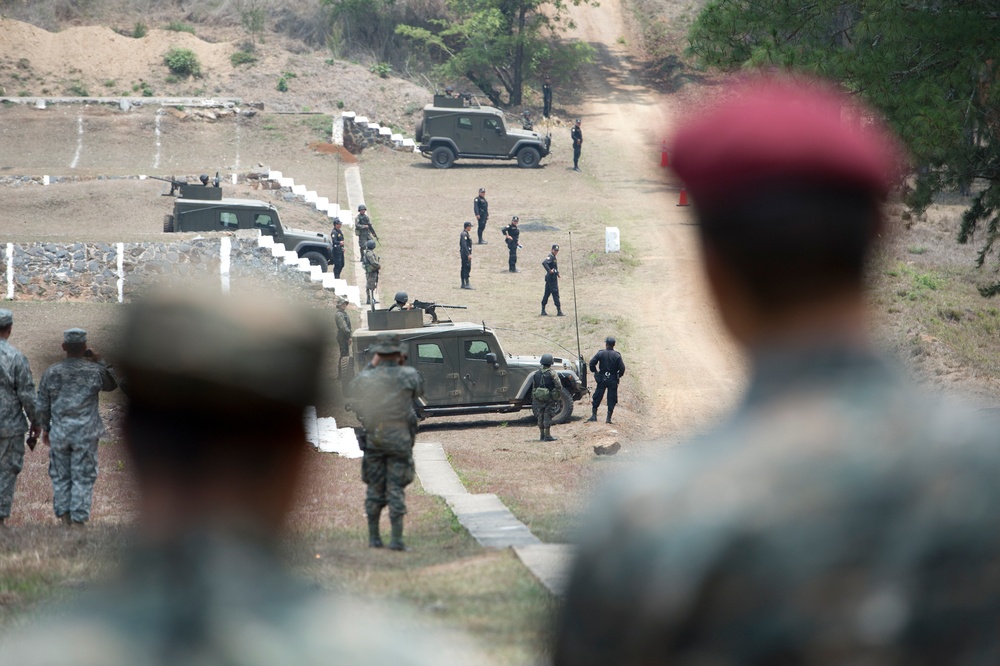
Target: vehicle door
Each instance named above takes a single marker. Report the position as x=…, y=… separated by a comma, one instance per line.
x=437, y=362
x=265, y=223
x=493, y=135
x=483, y=380
x=466, y=136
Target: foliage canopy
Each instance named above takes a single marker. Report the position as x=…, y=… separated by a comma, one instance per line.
x=930, y=66
x=501, y=42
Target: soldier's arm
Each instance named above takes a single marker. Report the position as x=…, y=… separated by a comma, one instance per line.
x=621, y=365
x=593, y=362
x=109, y=380
x=43, y=405
x=25, y=386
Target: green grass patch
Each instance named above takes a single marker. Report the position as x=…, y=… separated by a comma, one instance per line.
x=179, y=26
x=242, y=58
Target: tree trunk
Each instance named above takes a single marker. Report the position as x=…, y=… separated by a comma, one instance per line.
x=517, y=84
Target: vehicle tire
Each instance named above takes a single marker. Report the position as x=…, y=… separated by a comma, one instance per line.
x=168, y=223
x=443, y=157
x=565, y=407
x=527, y=158
x=317, y=259
x=419, y=133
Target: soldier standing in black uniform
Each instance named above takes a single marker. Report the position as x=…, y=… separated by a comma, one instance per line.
x=551, y=267
x=481, y=209
x=511, y=234
x=546, y=97
x=611, y=370
x=338, y=247
x=363, y=228
x=465, y=249
x=577, y=135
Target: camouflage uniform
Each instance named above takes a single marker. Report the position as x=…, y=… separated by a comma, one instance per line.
x=830, y=521
x=68, y=411
x=17, y=398
x=226, y=599
x=363, y=229
x=384, y=395
x=372, y=268
x=546, y=410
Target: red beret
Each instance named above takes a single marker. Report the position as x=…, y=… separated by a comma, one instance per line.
x=770, y=130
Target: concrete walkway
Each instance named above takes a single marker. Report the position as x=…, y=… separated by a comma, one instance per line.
x=490, y=522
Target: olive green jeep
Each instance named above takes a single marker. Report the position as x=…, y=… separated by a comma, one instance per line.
x=464, y=367
x=456, y=128
x=203, y=208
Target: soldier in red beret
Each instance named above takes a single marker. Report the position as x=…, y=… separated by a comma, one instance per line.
x=814, y=526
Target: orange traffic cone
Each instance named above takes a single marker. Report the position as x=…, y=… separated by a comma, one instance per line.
x=684, y=197
x=664, y=159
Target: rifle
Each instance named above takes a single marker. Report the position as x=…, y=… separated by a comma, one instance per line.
x=431, y=308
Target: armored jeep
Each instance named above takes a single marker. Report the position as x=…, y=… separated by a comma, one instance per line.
x=455, y=127
x=465, y=370
x=203, y=208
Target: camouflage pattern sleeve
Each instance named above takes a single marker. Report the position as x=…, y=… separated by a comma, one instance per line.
x=109, y=380
x=17, y=392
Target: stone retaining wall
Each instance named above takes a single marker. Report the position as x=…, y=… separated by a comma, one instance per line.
x=359, y=134
x=117, y=272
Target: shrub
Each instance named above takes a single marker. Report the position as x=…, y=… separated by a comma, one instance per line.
x=110, y=83
x=177, y=26
x=242, y=58
x=77, y=89
x=383, y=69
x=139, y=30
x=282, y=85
x=183, y=62
x=340, y=104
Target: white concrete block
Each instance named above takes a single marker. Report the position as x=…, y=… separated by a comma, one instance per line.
x=265, y=241
x=360, y=120
x=286, y=182
x=612, y=240
x=408, y=143
x=141, y=177
x=322, y=204
x=40, y=104
x=353, y=294
x=274, y=175
x=315, y=273
x=347, y=114
x=398, y=138
x=311, y=196
x=234, y=178
x=45, y=180
x=384, y=131
x=299, y=189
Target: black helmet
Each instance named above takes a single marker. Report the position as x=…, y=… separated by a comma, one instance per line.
x=401, y=297
x=610, y=340
x=546, y=360
x=555, y=247
x=203, y=178
x=370, y=244
x=515, y=219
x=336, y=220
x=362, y=207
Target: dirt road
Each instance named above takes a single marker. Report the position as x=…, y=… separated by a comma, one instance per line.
x=688, y=367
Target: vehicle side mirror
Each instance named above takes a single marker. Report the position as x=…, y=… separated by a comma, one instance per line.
x=492, y=358
x=500, y=131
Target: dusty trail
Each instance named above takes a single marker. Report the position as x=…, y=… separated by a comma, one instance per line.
x=689, y=369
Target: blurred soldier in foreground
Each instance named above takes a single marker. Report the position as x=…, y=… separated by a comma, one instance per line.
x=17, y=400
x=344, y=329
x=372, y=266
x=337, y=235
x=608, y=367
x=840, y=516
x=546, y=395
x=215, y=432
x=70, y=419
x=383, y=395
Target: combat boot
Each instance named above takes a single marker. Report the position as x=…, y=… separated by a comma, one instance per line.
x=541, y=434
x=593, y=416
x=609, y=415
x=396, y=543
x=374, y=538
x=547, y=436
x=544, y=313
x=559, y=312
x=65, y=519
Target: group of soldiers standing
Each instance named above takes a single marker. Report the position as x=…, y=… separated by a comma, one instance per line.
x=63, y=413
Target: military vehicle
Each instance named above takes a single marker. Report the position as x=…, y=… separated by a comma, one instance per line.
x=203, y=208
x=456, y=127
x=464, y=367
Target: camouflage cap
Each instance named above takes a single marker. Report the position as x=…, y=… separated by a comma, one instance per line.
x=6, y=318
x=74, y=336
x=341, y=301
x=386, y=343
x=204, y=352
